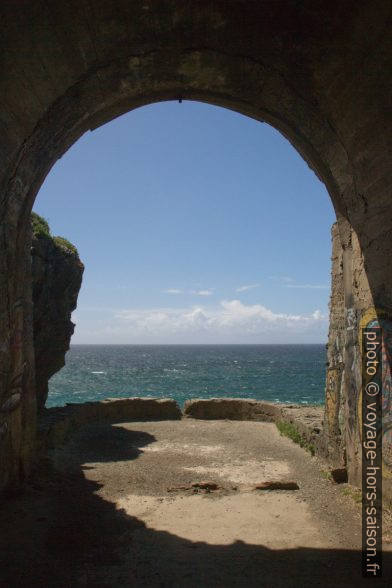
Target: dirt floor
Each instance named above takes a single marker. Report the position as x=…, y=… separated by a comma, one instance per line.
x=118, y=506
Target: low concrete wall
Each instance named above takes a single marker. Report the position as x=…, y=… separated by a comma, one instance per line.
x=309, y=422
x=57, y=424
x=236, y=409
x=307, y=419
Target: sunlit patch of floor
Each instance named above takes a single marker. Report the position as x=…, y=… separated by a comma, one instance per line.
x=189, y=448
x=273, y=520
x=248, y=472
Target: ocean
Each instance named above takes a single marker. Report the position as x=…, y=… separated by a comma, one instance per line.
x=276, y=373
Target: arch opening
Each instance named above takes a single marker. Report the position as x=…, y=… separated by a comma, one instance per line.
x=239, y=310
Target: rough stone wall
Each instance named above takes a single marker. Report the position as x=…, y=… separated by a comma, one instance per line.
x=334, y=424
x=351, y=309
x=57, y=276
x=349, y=301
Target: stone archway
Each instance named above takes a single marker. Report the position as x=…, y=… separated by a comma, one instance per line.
x=318, y=76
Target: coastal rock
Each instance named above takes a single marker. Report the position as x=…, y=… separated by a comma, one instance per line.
x=57, y=276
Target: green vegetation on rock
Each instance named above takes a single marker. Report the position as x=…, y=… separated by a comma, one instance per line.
x=40, y=227
x=291, y=431
x=65, y=244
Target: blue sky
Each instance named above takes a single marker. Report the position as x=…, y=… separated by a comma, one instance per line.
x=196, y=225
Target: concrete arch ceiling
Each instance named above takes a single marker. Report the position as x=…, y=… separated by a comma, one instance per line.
x=320, y=74
x=79, y=64
x=204, y=75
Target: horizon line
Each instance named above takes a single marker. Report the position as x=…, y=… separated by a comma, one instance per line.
x=199, y=344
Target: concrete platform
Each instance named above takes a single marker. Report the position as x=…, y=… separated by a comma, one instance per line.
x=116, y=507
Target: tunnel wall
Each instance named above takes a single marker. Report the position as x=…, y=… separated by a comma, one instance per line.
x=321, y=75
x=351, y=309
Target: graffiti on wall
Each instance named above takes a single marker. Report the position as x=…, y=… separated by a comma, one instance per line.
x=378, y=318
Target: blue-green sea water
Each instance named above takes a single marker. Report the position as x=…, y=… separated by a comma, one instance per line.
x=276, y=373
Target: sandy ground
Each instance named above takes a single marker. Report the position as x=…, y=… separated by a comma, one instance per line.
x=107, y=511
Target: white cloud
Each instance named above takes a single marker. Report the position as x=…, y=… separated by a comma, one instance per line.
x=230, y=321
x=172, y=291
x=247, y=287
x=317, y=315
x=201, y=292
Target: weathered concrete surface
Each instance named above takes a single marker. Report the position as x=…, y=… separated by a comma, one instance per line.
x=57, y=276
x=103, y=516
x=321, y=76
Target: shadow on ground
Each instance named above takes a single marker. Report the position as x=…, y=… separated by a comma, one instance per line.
x=61, y=534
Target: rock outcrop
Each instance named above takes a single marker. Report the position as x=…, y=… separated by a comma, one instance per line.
x=57, y=276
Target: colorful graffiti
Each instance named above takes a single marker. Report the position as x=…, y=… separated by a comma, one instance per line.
x=378, y=318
